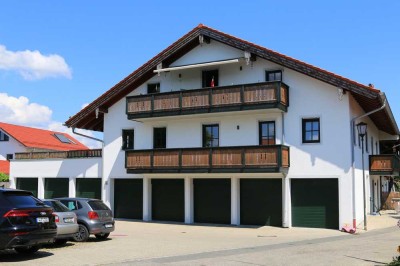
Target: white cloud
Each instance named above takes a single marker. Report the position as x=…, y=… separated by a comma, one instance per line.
x=33, y=65
x=84, y=105
x=20, y=111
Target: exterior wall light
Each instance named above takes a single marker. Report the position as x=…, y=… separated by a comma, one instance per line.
x=362, y=130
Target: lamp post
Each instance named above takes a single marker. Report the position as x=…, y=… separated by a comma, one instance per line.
x=362, y=130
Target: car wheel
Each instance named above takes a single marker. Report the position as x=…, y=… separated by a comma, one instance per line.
x=102, y=236
x=27, y=250
x=82, y=235
x=60, y=241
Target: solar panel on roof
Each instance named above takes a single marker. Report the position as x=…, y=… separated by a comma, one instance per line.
x=63, y=138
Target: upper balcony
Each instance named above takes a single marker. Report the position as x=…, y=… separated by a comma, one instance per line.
x=261, y=159
x=265, y=95
x=384, y=164
x=59, y=154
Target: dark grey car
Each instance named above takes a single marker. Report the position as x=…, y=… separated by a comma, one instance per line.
x=94, y=217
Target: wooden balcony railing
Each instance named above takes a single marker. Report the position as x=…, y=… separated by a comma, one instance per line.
x=59, y=154
x=384, y=164
x=207, y=100
x=269, y=159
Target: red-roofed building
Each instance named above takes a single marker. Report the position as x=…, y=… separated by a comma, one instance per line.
x=5, y=167
x=15, y=138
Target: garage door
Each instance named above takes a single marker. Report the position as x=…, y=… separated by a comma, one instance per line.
x=88, y=188
x=56, y=188
x=168, y=200
x=212, y=201
x=29, y=184
x=128, y=198
x=315, y=203
x=261, y=202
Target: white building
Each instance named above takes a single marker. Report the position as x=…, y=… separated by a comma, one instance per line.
x=38, y=154
x=215, y=129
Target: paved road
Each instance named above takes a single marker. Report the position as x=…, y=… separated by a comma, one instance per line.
x=138, y=243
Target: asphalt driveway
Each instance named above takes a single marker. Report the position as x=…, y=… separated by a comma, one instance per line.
x=176, y=244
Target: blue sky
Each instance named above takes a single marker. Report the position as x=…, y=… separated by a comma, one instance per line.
x=80, y=49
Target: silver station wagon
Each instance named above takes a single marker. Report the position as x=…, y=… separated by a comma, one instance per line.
x=67, y=222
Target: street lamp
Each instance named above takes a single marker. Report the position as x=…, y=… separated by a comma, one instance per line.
x=362, y=130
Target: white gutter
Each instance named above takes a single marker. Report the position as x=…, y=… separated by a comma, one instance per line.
x=352, y=126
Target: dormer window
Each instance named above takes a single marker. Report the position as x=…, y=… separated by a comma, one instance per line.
x=275, y=75
x=63, y=138
x=153, y=88
x=3, y=137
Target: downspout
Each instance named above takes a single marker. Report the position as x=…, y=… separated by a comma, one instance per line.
x=102, y=149
x=352, y=126
x=86, y=136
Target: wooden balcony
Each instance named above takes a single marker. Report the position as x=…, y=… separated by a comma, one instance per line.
x=384, y=164
x=58, y=154
x=264, y=95
x=263, y=159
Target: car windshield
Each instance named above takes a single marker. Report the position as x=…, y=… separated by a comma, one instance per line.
x=56, y=205
x=98, y=205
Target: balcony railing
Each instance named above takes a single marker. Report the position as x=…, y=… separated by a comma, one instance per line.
x=207, y=100
x=58, y=154
x=384, y=164
x=268, y=159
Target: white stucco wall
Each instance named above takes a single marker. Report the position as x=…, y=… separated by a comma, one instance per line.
x=10, y=147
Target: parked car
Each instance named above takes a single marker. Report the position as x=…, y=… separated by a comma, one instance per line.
x=94, y=217
x=25, y=221
x=66, y=220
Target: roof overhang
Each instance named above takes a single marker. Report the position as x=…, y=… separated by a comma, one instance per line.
x=368, y=98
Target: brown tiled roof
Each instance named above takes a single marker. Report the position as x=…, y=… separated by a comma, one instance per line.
x=368, y=97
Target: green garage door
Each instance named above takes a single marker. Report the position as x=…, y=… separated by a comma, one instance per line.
x=29, y=184
x=168, y=200
x=261, y=202
x=212, y=201
x=315, y=203
x=88, y=188
x=56, y=188
x=128, y=198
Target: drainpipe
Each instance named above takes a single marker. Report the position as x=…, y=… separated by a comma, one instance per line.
x=352, y=126
x=102, y=162
x=86, y=136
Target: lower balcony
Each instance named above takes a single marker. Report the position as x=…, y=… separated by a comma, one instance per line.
x=384, y=164
x=252, y=159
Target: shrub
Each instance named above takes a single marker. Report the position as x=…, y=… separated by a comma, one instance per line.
x=4, y=177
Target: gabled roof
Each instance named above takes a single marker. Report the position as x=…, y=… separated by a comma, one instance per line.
x=5, y=167
x=40, y=138
x=368, y=97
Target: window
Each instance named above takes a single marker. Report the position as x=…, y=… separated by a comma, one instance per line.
x=210, y=135
x=267, y=133
x=159, y=138
x=3, y=136
x=9, y=157
x=63, y=138
x=153, y=88
x=275, y=75
x=210, y=78
x=311, y=130
x=127, y=139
